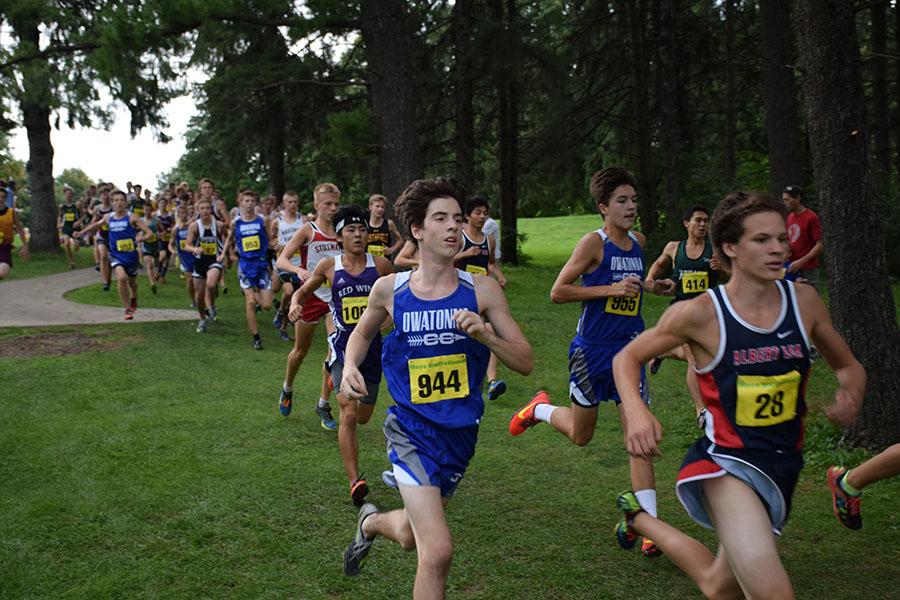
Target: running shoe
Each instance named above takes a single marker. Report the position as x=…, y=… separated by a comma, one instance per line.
x=129, y=313
x=649, y=549
x=277, y=320
x=73, y=266
x=257, y=344
x=258, y=308
x=284, y=335
x=201, y=326
x=213, y=313
x=285, y=402
x=224, y=289
x=389, y=479
x=359, y=489
x=846, y=506
x=153, y=287
x=524, y=419
x=324, y=413
x=359, y=548
x=106, y=286
x=655, y=364
x=97, y=267
x=496, y=388
x=628, y=503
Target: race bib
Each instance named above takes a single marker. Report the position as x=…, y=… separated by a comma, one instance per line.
x=764, y=400
x=250, y=243
x=182, y=244
x=209, y=248
x=150, y=238
x=693, y=282
x=475, y=269
x=2, y=237
x=70, y=217
x=375, y=250
x=352, y=308
x=620, y=305
x=125, y=245
x=438, y=378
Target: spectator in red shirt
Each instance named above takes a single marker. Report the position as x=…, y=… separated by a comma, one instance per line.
x=805, y=237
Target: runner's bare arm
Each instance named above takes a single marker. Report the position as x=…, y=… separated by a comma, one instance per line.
x=192, y=238
x=380, y=306
x=398, y=239
x=92, y=227
x=229, y=240
x=586, y=257
x=408, y=257
x=662, y=266
x=383, y=265
x=506, y=341
x=20, y=229
x=324, y=270
x=493, y=265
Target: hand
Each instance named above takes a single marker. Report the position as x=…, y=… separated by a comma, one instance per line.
x=660, y=287
x=642, y=433
x=303, y=274
x=472, y=251
x=294, y=313
x=501, y=280
x=472, y=325
x=24, y=253
x=352, y=383
x=628, y=287
x=794, y=266
x=220, y=258
x=715, y=264
x=843, y=412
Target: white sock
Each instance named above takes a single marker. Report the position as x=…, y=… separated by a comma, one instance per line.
x=647, y=500
x=542, y=412
x=287, y=388
x=323, y=402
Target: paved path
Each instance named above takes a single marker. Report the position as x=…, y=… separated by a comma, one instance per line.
x=39, y=301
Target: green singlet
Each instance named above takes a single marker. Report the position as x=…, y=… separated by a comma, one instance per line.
x=693, y=276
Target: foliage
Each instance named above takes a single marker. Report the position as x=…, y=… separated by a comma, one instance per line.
x=74, y=178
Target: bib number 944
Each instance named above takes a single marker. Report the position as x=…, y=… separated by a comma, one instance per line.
x=438, y=378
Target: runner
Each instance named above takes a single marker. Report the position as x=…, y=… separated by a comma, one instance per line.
x=207, y=189
x=101, y=243
x=477, y=257
x=178, y=244
x=610, y=263
x=382, y=230
x=692, y=269
x=434, y=363
x=9, y=226
x=847, y=484
x=164, y=223
x=314, y=240
x=69, y=216
x=136, y=201
x=753, y=337
x=204, y=241
x=150, y=246
x=805, y=237
x=123, y=227
x=248, y=232
x=282, y=230
x=351, y=276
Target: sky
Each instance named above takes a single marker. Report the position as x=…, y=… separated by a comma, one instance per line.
x=113, y=155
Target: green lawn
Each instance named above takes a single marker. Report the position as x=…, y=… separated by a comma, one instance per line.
x=155, y=464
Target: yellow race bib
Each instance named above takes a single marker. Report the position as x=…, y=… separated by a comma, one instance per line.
x=375, y=250
x=694, y=281
x=125, y=245
x=209, y=248
x=438, y=378
x=620, y=305
x=70, y=217
x=764, y=400
x=475, y=269
x=182, y=244
x=352, y=308
x=150, y=239
x=250, y=243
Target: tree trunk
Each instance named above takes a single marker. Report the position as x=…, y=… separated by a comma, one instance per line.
x=881, y=126
x=859, y=286
x=637, y=15
x=730, y=97
x=463, y=93
x=665, y=13
x=780, y=93
x=274, y=147
x=387, y=34
x=897, y=88
x=508, y=125
x=36, y=115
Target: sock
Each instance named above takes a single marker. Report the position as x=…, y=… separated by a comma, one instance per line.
x=542, y=412
x=845, y=485
x=647, y=500
x=323, y=402
x=287, y=388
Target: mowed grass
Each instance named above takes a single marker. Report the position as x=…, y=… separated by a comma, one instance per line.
x=160, y=467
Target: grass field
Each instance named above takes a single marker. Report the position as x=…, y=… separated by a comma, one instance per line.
x=151, y=462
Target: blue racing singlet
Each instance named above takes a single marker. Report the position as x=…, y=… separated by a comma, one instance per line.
x=754, y=389
x=181, y=236
x=251, y=239
x=349, y=298
x=613, y=319
x=122, y=247
x=432, y=368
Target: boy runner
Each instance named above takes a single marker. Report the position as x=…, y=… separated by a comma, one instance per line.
x=178, y=244
x=381, y=230
x=205, y=237
x=752, y=337
x=847, y=484
x=314, y=241
x=150, y=245
x=350, y=276
x=248, y=232
x=434, y=362
x=282, y=230
x=122, y=239
x=477, y=257
x=805, y=237
x=101, y=245
x=69, y=216
x=165, y=219
x=9, y=226
x=610, y=263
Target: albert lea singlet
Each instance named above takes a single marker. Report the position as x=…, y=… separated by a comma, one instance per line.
x=477, y=264
x=316, y=249
x=613, y=319
x=349, y=298
x=693, y=276
x=754, y=389
x=379, y=238
x=432, y=368
x=122, y=234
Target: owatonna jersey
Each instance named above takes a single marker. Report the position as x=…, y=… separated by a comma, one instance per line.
x=316, y=249
x=613, y=319
x=432, y=368
x=754, y=389
x=251, y=239
x=349, y=298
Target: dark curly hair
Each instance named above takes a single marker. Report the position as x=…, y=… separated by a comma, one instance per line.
x=727, y=224
x=412, y=205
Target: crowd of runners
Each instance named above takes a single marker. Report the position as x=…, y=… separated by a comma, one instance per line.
x=420, y=302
